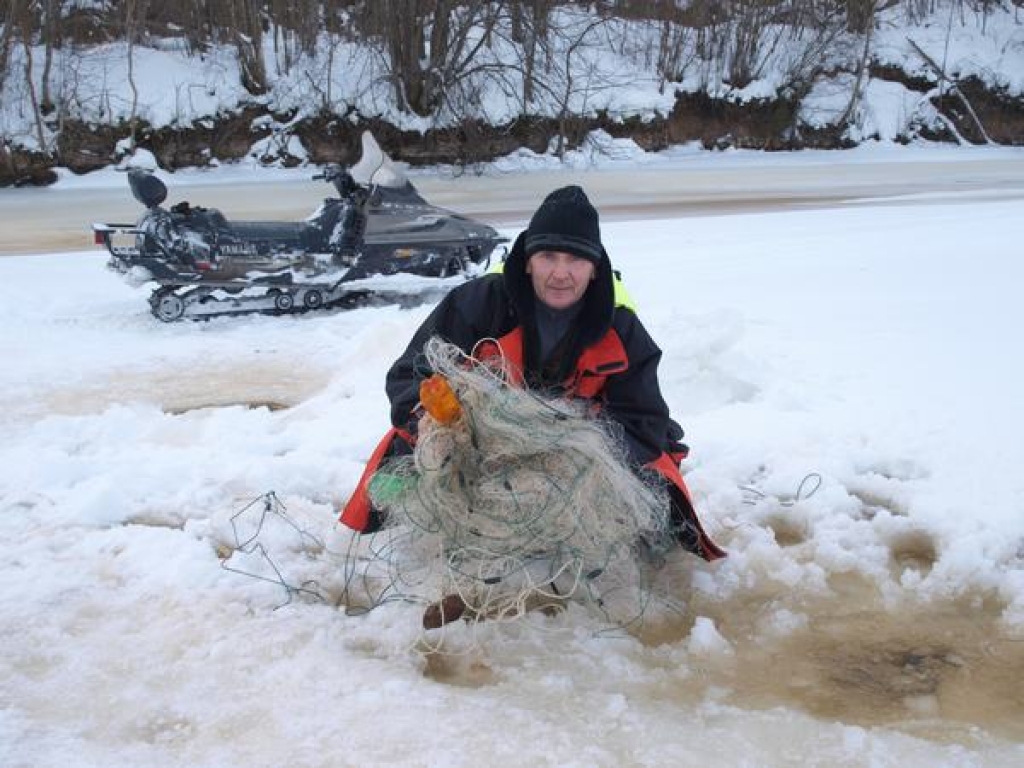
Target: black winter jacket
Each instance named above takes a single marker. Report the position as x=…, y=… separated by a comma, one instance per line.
x=495, y=304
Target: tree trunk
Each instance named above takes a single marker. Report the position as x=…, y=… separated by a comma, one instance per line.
x=6, y=38
x=51, y=25
x=530, y=28
x=134, y=10
x=858, y=84
x=249, y=44
x=860, y=15
x=954, y=88
x=40, y=128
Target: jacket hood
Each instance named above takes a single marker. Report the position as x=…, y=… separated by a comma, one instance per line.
x=595, y=319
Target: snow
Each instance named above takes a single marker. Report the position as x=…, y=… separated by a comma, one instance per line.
x=847, y=380
x=593, y=66
x=967, y=43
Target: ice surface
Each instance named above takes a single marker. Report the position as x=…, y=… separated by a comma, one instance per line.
x=877, y=620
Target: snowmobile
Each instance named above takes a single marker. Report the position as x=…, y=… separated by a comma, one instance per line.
x=377, y=238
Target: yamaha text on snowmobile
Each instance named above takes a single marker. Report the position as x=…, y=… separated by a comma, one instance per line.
x=377, y=238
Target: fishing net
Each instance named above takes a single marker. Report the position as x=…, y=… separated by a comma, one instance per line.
x=521, y=501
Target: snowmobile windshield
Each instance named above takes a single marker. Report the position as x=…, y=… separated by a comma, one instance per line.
x=375, y=167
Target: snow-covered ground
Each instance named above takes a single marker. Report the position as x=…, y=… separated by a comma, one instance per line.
x=876, y=619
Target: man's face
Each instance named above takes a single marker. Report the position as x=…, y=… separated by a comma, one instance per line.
x=559, y=279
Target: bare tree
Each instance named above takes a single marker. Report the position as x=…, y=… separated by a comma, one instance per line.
x=337, y=32
x=753, y=37
x=860, y=15
x=7, y=37
x=296, y=25
x=954, y=89
x=134, y=13
x=529, y=28
x=576, y=41
x=675, y=51
x=24, y=18
x=865, y=9
x=198, y=25
x=50, y=38
x=247, y=28
x=574, y=71
x=429, y=48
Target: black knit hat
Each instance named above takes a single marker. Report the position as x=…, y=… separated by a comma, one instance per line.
x=566, y=221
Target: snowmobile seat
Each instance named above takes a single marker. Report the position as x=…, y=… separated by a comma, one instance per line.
x=146, y=188
x=292, y=233
x=208, y=219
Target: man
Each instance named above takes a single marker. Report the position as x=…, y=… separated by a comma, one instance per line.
x=551, y=314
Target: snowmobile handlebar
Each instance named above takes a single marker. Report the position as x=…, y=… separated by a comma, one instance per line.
x=339, y=176
x=324, y=175
x=330, y=172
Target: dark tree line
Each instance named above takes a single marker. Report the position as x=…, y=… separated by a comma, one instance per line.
x=429, y=44
x=438, y=56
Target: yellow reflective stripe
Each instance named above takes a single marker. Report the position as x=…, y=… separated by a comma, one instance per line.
x=622, y=297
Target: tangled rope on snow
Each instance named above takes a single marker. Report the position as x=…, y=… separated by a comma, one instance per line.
x=521, y=497
x=268, y=524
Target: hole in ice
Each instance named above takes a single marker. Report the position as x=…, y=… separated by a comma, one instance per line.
x=459, y=670
x=938, y=670
x=788, y=530
x=888, y=668
x=264, y=384
x=913, y=550
x=270, y=405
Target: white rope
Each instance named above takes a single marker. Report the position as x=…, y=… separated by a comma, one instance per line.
x=521, y=498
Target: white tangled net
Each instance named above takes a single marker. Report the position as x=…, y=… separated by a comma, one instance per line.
x=522, y=501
